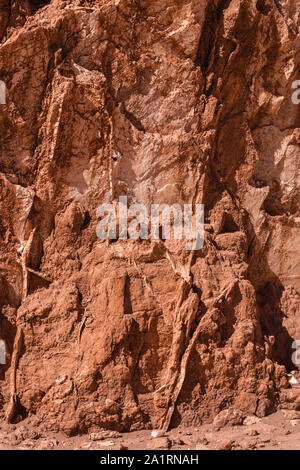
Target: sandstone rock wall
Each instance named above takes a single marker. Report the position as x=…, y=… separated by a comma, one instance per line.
x=165, y=101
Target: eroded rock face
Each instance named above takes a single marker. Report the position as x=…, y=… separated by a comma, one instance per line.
x=169, y=101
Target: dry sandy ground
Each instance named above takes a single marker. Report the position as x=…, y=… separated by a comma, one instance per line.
x=278, y=431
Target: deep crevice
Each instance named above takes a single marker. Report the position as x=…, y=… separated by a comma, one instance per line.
x=34, y=5
x=127, y=297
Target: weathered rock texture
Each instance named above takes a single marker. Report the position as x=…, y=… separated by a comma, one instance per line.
x=165, y=101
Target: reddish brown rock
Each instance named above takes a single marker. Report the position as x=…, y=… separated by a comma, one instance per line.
x=166, y=102
x=160, y=443
x=226, y=445
x=228, y=417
